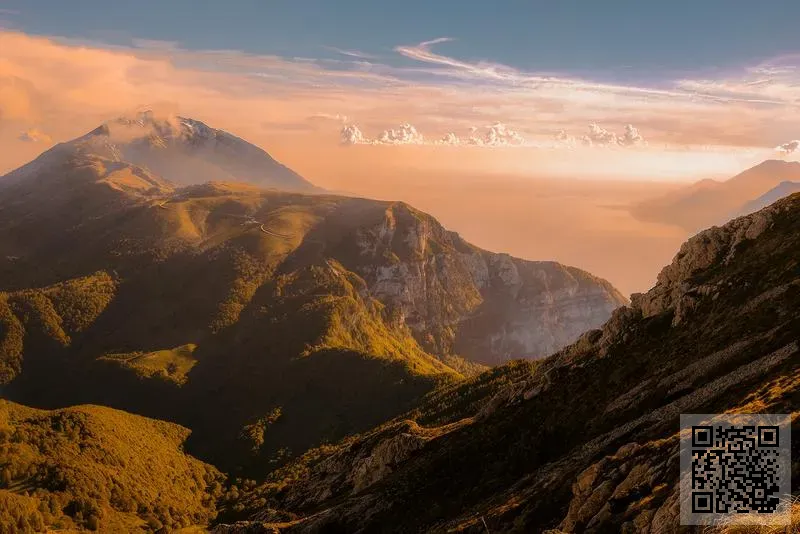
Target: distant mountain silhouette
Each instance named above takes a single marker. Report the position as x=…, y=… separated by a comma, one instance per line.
x=781, y=190
x=710, y=202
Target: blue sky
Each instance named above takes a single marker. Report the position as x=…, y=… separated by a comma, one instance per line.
x=616, y=39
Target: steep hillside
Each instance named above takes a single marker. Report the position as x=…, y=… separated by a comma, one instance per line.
x=709, y=202
x=586, y=440
x=267, y=322
x=95, y=468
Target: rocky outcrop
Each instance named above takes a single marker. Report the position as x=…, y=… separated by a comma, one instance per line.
x=459, y=299
x=715, y=246
x=360, y=464
x=620, y=489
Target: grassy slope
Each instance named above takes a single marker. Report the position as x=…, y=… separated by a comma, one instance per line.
x=101, y=469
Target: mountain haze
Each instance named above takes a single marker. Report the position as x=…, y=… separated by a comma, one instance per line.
x=783, y=189
x=710, y=202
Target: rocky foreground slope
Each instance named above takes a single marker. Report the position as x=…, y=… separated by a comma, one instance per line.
x=586, y=440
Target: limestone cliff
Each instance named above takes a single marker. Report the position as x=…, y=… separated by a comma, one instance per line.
x=484, y=306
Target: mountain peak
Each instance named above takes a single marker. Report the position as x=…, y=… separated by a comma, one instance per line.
x=182, y=150
x=164, y=126
x=773, y=165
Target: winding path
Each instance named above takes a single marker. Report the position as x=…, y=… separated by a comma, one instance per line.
x=275, y=234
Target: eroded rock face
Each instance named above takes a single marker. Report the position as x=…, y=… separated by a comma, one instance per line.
x=715, y=246
x=459, y=299
x=631, y=489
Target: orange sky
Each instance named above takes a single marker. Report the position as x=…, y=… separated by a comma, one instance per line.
x=543, y=200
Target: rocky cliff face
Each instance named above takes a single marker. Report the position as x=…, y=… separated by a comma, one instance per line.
x=587, y=441
x=458, y=299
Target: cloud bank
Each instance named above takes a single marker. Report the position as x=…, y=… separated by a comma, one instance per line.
x=597, y=136
x=495, y=135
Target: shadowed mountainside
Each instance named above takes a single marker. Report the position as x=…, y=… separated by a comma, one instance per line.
x=587, y=439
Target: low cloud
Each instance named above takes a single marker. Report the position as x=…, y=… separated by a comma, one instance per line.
x=599, y=136
x=405, y=134
x=450, y=139
x=351, y=135
x=631, y=137
x=496, y=135
x=34, y=136
x=789, y=148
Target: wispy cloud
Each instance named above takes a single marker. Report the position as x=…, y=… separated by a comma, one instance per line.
x=351, y=53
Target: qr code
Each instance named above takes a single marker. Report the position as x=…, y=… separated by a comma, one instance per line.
x=735, y=464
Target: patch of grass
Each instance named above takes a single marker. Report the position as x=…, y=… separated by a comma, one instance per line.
x=172, y=365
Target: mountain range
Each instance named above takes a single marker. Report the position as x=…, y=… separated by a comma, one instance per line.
x=257, y=355
x=220, y=305
x=783, y=189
